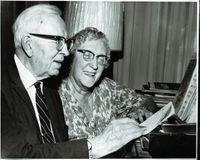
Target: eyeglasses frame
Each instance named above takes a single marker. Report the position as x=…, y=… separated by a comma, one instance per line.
x=53, y=37
x=85, y=50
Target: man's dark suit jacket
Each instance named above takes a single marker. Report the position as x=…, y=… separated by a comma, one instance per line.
x=20, y=134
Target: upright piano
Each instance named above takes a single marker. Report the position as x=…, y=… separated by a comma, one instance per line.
x=177, y=137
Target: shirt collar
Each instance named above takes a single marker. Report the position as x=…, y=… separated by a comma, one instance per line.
x=27, y=78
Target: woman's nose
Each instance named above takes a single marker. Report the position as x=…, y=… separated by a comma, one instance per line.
x=94, y=63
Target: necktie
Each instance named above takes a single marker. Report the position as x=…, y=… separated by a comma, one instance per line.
x=44, y=117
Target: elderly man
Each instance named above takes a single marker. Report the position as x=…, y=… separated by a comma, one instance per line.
x=32, y=121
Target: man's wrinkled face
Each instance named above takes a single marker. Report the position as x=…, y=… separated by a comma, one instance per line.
x=46, y=59
x=87, y=72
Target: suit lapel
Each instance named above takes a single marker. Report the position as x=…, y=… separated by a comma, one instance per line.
x=19, y=87
x=54, y=105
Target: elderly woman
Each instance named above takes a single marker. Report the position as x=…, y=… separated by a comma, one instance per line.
x=91, y=102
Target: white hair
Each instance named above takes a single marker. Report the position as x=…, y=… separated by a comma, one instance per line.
x=31, y=19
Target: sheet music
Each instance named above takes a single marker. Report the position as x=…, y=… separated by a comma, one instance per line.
x=189, y=102
x=156, y=119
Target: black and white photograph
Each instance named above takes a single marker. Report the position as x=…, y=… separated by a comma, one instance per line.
x=99, y=79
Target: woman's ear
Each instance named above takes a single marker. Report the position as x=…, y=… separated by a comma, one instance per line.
x=26, y=45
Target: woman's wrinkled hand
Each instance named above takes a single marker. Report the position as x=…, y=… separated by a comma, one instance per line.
x=141, y=115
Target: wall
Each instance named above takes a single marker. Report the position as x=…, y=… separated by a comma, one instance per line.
x=159, y=41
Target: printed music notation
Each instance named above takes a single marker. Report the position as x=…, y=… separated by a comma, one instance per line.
x=188, y=109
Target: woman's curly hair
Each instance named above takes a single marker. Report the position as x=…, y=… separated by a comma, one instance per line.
x=87, y=34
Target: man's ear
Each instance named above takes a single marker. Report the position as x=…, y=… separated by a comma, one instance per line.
x=26, y=45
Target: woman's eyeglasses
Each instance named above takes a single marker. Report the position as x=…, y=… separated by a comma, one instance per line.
x=60, y=41
x=89, y=56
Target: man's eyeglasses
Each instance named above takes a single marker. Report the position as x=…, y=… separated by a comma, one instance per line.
x=89, y=56
x=60, y=41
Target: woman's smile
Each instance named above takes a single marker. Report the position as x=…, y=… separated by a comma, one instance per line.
x=89, y=73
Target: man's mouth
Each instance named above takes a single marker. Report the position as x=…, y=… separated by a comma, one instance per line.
x=59, y=61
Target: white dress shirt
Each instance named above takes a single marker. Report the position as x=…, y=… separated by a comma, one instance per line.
x=28, y=81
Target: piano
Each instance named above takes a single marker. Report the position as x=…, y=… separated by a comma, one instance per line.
x=177, y=137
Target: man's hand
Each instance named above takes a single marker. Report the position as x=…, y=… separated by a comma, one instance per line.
x=118, y=133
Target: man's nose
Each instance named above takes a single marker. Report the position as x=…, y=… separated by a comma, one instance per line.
x=64, y=50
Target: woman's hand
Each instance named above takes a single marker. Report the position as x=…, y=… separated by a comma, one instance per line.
x=146, y=109
x=142, y=114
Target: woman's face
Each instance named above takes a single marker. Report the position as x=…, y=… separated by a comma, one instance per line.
x=84, y=71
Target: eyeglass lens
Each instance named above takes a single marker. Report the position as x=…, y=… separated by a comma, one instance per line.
x=61, y=41
x=89, y=56
x=60, y=44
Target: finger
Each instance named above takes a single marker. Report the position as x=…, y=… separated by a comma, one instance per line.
x=121, y=124
x=132, y=128
x=132, y=134
x=149, y=114
x=136, y=117
x=142, y=127
x=120, y=140
x=140, y=116
x=125, y=121
x=127, y=127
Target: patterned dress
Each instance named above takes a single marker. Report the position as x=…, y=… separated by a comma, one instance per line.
x=111, y=101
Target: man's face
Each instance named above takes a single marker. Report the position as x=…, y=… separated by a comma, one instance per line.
x=46, y=59
x=87, y=72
